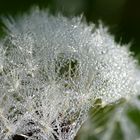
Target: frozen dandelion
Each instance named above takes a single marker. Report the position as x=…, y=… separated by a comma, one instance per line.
x=52, y=69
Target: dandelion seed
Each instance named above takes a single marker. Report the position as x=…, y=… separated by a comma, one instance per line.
x=52, y=71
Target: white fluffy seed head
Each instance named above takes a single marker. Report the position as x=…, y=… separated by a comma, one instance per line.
x=53, y=69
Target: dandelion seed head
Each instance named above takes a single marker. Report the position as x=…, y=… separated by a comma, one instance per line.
x=53, y=69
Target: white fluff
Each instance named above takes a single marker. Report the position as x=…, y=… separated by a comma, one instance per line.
x=52, y=70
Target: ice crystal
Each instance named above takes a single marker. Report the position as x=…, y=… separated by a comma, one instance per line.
x=52, y=69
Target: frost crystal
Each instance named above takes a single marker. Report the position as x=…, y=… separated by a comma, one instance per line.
x=52, y=69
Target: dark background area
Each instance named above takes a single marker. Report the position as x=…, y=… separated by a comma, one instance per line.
x=121, y=16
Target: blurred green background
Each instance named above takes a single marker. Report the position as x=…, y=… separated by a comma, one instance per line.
x=122, y=17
